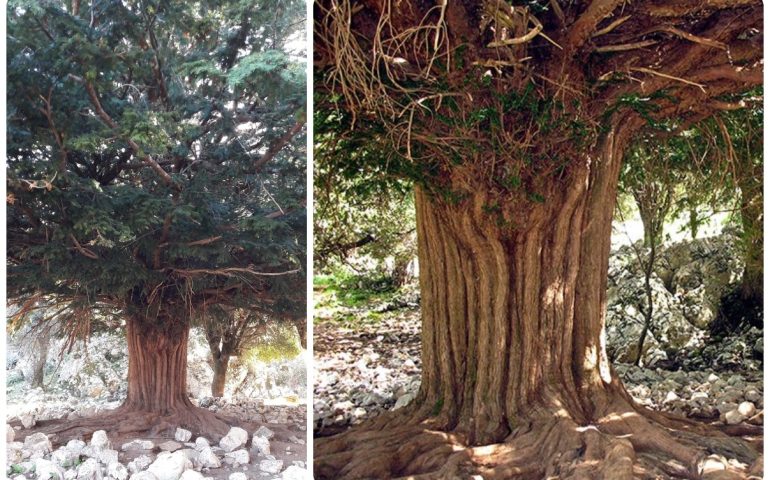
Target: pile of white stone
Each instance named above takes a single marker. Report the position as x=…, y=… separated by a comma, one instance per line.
x=733, y=398
x=180, y=459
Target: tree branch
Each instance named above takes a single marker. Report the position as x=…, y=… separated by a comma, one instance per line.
x=586, y=24
x=147, y=159
x=278, y=144
x=228, y=272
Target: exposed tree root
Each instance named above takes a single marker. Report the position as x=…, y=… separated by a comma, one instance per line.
x=125, y=422
x=625, y=442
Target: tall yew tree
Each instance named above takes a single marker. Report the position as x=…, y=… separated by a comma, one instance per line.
x=512, y=119
x=156, y=166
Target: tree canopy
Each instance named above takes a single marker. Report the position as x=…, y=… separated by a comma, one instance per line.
x=156, y=155
x=460, y=95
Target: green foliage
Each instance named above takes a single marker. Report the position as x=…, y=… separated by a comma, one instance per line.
x=350, y=290
x=200, y=89
x=280, y=342
x=363, y=204
x=712, y=166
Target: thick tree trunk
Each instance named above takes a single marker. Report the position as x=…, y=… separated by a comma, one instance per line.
x=221, y=363
x=156, y=401
x=157, y=368
x=515, y=318
x=516, y=382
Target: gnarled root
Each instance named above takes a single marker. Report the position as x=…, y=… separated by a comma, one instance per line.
x=126, y=422
x=624, y=442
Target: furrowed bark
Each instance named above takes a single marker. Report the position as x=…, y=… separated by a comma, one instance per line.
x=515, y=318
x=157, y=367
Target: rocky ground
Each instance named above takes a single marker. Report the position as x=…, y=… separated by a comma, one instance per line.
x=688, y=283
x=365, y=371
x=85, y=383
x=366, y=367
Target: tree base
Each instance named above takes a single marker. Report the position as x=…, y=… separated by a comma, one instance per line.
x=626, y=442
x=126, y=423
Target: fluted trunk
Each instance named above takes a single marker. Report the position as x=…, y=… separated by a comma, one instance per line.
x=513, y=318
x=157, y=367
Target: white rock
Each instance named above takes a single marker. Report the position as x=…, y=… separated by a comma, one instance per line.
x=265, y=432
x=193, y=456
x=64, y=457
x=752, y=395
x=108, y=456
x=10, y=433
x=208, y=459
x=117, y=471
x=240, y=457
x=38, y=443
x=169, y=466
x=295, y=473
x=75, y=446
x=46, y=469
x=713, y=378
x=170, y=446
x=271, y=466
x=139, y=463
x=100, y=440
x=235, y=438
x=237, y=476
x=699, y=397
x=143, y=476
x=747, y=409
x=138, y=444
x=201, y=443
x=734, y=417
x=14, y=452
x=403, y=401
x=191, y=475
x=182, y=435
x=671, y=396
x=27, y=420
x=90, y=470
x=712, y=463
x=91, y=452
x=262, y=445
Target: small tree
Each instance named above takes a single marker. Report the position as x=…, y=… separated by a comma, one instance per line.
x=650, y=179
x=231, y=332
x=155, y=165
